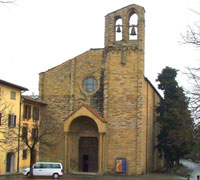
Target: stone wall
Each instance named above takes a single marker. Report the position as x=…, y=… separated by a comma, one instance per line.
x=62, y=89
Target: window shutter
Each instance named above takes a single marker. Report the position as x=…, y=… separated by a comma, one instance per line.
x=29, y=112
x=36, y=113
x=9, y=120
x=24, y=132
x=33, y=135
x=15, y=117
x=24, y=111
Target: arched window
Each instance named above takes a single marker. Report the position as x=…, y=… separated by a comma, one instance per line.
x=133, y=28
x=118, y=29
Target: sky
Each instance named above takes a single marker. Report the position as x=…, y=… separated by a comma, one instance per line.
x=37, y=35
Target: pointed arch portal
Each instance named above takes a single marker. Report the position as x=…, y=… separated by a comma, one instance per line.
x=85, y=132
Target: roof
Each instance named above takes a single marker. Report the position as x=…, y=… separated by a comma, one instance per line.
x=91, y=49
x=153, y=87
x=13, y=85
x=29, y=98
x=126, y=7
x=95, y=113
x=88, y=107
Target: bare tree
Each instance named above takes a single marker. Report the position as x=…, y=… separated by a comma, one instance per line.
x=39, y=135
x=192, y=37
x=8, y=137
x=193, y=74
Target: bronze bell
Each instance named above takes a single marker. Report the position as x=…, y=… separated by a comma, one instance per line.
x=133, y=32
x=118, y=29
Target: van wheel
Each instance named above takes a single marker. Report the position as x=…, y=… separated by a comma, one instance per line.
x=55, y=176
x=28, y=174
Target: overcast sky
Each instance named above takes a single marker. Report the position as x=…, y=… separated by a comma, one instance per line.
x=36, y=35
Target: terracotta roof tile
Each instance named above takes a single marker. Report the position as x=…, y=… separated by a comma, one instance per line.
x=91, y=110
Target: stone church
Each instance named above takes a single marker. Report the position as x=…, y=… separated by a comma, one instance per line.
x=105, y=104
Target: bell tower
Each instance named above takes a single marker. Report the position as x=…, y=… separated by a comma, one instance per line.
x=129, y=22
x=123, y=60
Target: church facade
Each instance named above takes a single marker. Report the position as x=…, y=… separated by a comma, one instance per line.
x=104, y=103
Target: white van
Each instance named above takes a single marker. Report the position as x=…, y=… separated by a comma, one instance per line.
x=53, y=169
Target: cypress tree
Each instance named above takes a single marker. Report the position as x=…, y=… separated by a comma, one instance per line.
x=176, y=125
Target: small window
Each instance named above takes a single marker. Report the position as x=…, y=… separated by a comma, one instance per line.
x=27, y=111
x=34, y=133
x=37, y=166
x=11, y=120
x=90, y=84
x=13, y=95
x=24, y=154
x=55, y=166
x=24, y=132
x=46, y=166
x=35, y=113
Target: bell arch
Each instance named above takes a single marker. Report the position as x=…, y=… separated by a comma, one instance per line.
x=118, y=28
x=133, y=25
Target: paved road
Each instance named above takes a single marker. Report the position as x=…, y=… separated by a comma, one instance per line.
x=110, y=177
x=194, y=167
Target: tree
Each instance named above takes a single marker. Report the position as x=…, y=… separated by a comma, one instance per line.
x=39, y=135
x=192, y=37
x=8, y=139
x=176, y=125
x=193, y=93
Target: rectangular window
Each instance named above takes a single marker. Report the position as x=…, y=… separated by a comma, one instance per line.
x=27, y=111
x=35, y=113
x=24, y=132
x=13, y=95
x=47, y=166
x=55, y=166
x=11, y=120
x=34, y=133
x=24, y=155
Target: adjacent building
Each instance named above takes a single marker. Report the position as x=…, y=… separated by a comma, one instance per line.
x=10, y=103
x=19, y=119
x=31, y=110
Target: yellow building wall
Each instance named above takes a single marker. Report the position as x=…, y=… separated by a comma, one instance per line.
x=13, y=106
